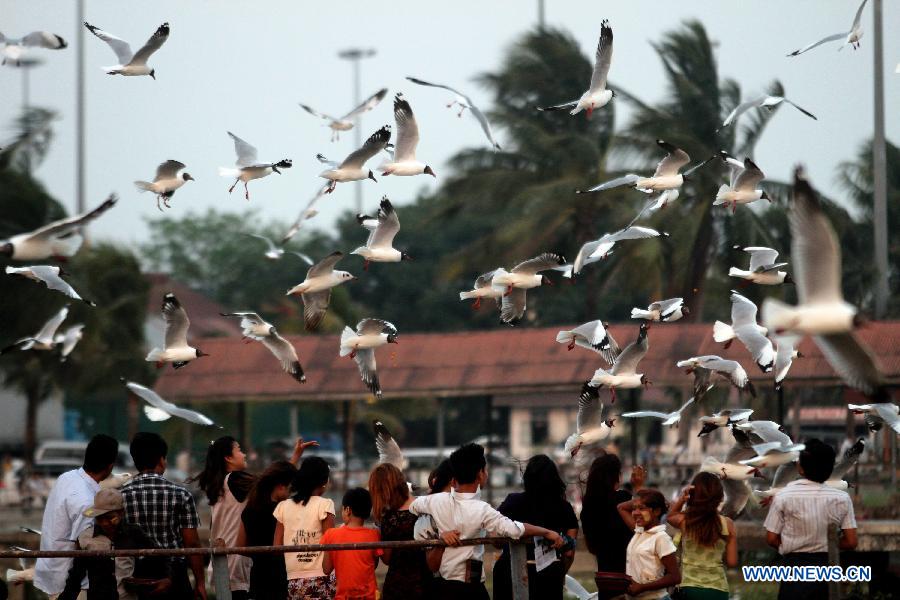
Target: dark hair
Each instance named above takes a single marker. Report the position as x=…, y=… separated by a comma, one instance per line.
x=653, y=499
x=387, y=488
x=440, y=477
x=542, y=480
x=359, y=502
x=101, y=452
x=603, y=477
x=313, y=473
x=701, y=518
x=467, y=461
x=147, y=449
x=212, y=478
x=280, y=472
x=817, y=460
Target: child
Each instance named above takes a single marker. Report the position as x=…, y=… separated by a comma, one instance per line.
x=650, y=558
x=355, y=569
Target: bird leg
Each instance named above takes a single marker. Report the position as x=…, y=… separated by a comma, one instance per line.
x=612, y=395
x=508, y=291
x=166, y=202
x=590, y=110
x=366, y=265
x=477, y=304
x=733, y=206
x=246, y=340
x=576, y=449
x=160, y=364
x=158, y=197
x=231, y=189
x=571, y=345
x=353, y=352
x=331, y=185
x=461, y=111
x=246, y=191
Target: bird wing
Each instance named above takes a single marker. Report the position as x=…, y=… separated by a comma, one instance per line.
x=761, y=256
x=730, y=369
x=671, y=162
x=367, y=105
x=50, y=277
x=44, y=39
x=849, y=458
x=376, y=142
x=701, y=382
x=388, y=226
x=269, y=243
x=584, y=255
x=247, y=155
x=767, y=431
x=388, y=449
x=177, y=322
x=418, y=81
x=628, y=179
x=743, y=310
x=65, y=226
x=646, y=413
x=635, y=232
x=168, y=170
x=575, y=588
x=119, y=46
x=853, y=361
x=48, y=331
x=315, y=305
x=324, y=266
x=485, y=125
x=307, y=213
x=814, y=247
x=407, y=130
x=484, y=280
x=784, y=355
x=156, y=401
x=512, y=305
x=155, y=42
x=829, y=38
x=316, y=113
x=627, y=362
x=603, y=58
x=888, y=414
x=286, y=355
x=749, y=177
x=589, y=408
x=858, y=16
x=741, y=109
x=370, y=326
x=785, y=474
x=737, y=493
x=562, y=106
x=248, y=319
x=542, y=262
x=803, y=110
x=368, y=370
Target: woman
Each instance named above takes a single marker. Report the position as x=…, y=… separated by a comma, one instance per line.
x=268, y=578
x=542, y=503
x=706, y=539
x=407, y=573
x=302, y=520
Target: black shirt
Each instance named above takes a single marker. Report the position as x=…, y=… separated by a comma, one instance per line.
x=268, y=578
x=605, y=532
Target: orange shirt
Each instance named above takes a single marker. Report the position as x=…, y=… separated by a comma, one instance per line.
x=354, y=569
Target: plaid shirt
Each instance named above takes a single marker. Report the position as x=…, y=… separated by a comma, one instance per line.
x=160, y=507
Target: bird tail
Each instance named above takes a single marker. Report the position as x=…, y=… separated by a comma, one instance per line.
x=564, y=337
x=226, y=172
x=723, y=189
x=571, y=442
x=346, y=334
x=735, y=272
x=144, y=186
x=637, y=313
x=362, y=251
x=155, y=355
x=722, y=332
x=468, y=295
x=710, y=465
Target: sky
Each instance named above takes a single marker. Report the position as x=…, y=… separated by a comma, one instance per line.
x=243, y=67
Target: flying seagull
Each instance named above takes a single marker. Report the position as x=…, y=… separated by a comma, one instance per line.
x=518, y=280
x=597, y=95
x=601, y=247
x=360, y=346
x=254, y=327
x=67, y=340
x=49, y=276
x=665, y=311
x=464, y=102
x=316, y=288
x=767, y=102
x=774, y=454
x=176, y=349
x=132, y=63
x=345, y=123
x=169, y=177
x=45, y=339
x=576, y=589
x=703, y=367
x=623, y=372
x=274, y=252
x=723, y=418
x=666, y=176
x=483, y=289
x=403, y=162
x=14, y=49
x=248, y=165
x=850, y=37
x=353, y=167
x=382, y=230
x=158, y=409
x=741, y=188
x=763, y=268
x=59, y=239
x=388, y=450
x=878, y=414
x=592, y=336
x=590, y=427
x=744, y=327
x=672, y=418
x=785, y=353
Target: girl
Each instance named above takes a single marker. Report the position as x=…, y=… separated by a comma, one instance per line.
x=650, y=558
x=302, y=520
x=706, y=538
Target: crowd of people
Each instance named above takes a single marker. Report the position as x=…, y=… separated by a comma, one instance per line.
x=626, y=530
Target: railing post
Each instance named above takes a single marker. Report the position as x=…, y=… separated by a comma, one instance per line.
x=221, y=579
x=518, y=562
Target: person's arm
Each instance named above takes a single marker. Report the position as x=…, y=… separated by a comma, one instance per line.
x=731, y=545
x=279, y=534
x=638, y=477
x=848, y=539
x=434, y=557
x=675, y=518
x=328, y=522
x=553, y=537
x=327, y=563
x=773, y=539
x=774, y=523
x=192, y=540
x=299, y=447
x=624, y=509
x=670, y=579
x=569, y=555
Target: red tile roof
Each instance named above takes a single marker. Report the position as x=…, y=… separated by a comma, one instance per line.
x=503, y=362
x=203, y=312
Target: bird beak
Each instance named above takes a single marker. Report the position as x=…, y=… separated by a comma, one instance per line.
x=153, y=74
x=372, y=176
x=189, y=177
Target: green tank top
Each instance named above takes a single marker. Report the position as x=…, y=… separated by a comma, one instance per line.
x=701, y=566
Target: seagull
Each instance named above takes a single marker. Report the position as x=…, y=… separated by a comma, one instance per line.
x=522, y=277
x=622, y=374
x=316, y=288
x=286, y=354
x=483, y=289
x=878, y=414
x=727, y=470
x=568, y=269
x=774, y=454
x=672, y=418
x=600, y=248
x=576, y=589
x=345, y=123
x=132, y=64
x=253, y=327
x=464, y=102
x=388, y=450
x=158, y=409
x=404, y=161
x=360, y=346
x=723, y=418
x=666, y=176
x=665, y=311
x=68, y=340
x=785, y=353
x=307, y=213
x=274, y=252
x=764, y=432
x=49, y=276
x=176, y=349
x=248, y=165
x=741, y=189
x=850, y=37
x=15, y=49
x=590, y=427
x=788, y=472
x=737, y=491
x=763, y=268
x=703, y=367
x=743, y=327
x=593, y=336
x=59, y=239
x=165, y=183
x=767, y=102
x=45, y=339
x=353, y=167
x=382, y=230
x=597, y=95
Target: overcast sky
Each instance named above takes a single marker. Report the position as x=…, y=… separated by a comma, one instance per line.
x=243, y=67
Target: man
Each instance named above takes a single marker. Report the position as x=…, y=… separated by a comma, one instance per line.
x=64, y=518
x=164, y=510
x=799, y=518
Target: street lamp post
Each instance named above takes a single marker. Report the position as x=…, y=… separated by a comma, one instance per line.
x=26, y=64
x=354, y=55
x=882, y=289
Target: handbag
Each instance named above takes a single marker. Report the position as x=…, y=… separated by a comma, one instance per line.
x=611, y=582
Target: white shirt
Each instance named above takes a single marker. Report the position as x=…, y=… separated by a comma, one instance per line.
x=803, y=510
x=463, y=512
x=63, y=520
x=643, y=558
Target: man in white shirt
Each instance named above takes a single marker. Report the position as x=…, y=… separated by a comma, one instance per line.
x=459, y=515
x=64, y=518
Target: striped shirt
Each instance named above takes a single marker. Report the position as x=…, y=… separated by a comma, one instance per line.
x=159, y=507
x=802, y=512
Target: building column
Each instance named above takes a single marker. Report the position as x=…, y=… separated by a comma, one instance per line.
x=294, y=418
x=242, y=424
x=439, y=434
x=348, y=439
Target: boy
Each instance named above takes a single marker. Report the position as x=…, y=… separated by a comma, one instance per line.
x=458, y=515
x=354, y=569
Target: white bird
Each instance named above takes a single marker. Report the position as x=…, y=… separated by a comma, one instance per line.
x=253, y=327
x=723, y=418
x=623, y=372
x=764, y=432
x=68, y=340
x=483, y=289
x=176, y=349
x=382, y=230
x=767, y=102
x=158, y=409
x=741, y=188
x=353, y=167
x=665, y=311
x=850, y=37
x=345, y=123
x=597, y=95
x=15, y=49
x=703, y=367
x=248, y=165
x=666, y=176
x=592, y=336
x=404, y=161
x=274, y=252
x=576, y=589
x=360, y=346
x=522, y=277
x=45, y=339
x=788, y=472
x=785, y=353
x=725, y=470
x=763, y=268
x=669, y=419
x=169, y=177
x=286, y=354
x=50, y=276
x=773, y=454
x=132, y=63
x=388, y=449
x=878, y=414
x=464, y=102
x=316, y=288
x=744, y=327
x=600, y=248
x=306, y=214
x=59, y=239
x=590, y=427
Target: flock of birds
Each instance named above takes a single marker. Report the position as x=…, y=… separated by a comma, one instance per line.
x=821, y=313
